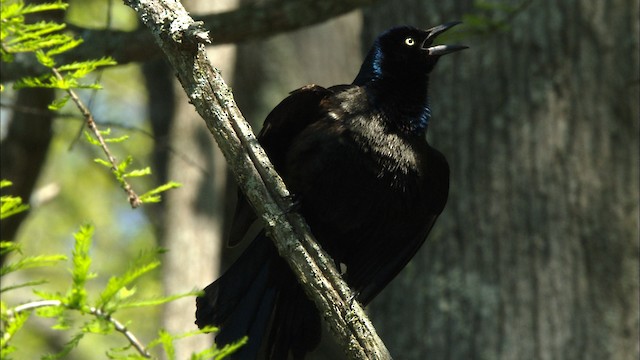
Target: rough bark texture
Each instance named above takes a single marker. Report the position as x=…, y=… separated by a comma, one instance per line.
x=536, y=254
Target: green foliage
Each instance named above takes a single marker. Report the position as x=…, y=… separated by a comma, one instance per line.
x=98, y=311
x=17, y=36
x=116, y=292
x=46, y=40
x=83, y=303
x=10, y=205
x=27, y=262
x=122, y=172
x=80, y=274
x=153, y=196
x=69, y=75
x=166, y=340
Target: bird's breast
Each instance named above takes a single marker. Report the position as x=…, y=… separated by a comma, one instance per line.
x=351, y=179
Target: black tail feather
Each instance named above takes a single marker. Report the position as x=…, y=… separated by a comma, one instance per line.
x=296, y=325
x=258, y=289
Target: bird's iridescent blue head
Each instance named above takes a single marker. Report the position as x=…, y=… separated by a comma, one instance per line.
x=405, y=52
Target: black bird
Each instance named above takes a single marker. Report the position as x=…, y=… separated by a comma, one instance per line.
x=367, y=182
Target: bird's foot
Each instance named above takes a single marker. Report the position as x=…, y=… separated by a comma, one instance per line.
x=353, y=297
x=294, y=203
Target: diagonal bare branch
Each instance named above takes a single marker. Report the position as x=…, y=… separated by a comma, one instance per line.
x=183, y=42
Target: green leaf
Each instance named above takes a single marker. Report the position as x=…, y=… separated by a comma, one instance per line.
x=99, y=325
x=80, y=69
x=116, y=140
x=112, y=296
x=77, y=298
x=10, y=205
x=105, y=132
x=30, y=82
x=46, y=81
x=49, y=296
x=10, y=327
x=8, y=246
x=64, y=47
x=166, y=340
x=156, y=301
x=213, y=352
x=52, y=312
x=119, y=353
x=31, y=262
x=122, y=167
x=10, y=10
x=33, y=8
x=23, y=285
x=91, y=140
x=58, y=104
x=138, y=173
x=45, y=59
x=102, y=162
x=231, y=348
x=153, y=195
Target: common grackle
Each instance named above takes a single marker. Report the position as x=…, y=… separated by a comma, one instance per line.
x=367, y=182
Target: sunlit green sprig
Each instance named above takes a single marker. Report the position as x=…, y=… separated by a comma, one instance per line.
x=118, y=294
x=46, y=40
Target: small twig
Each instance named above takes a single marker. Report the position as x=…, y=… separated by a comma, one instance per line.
x=32, y=306
x=118, y=326
x=122, y=329
x=134, y=200
x=99, y=73
x=181, y=155
x=11, y=314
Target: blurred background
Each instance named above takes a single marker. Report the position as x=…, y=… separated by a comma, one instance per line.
x=536, y=255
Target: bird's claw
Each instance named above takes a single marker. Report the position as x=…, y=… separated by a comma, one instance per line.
x=294, y=203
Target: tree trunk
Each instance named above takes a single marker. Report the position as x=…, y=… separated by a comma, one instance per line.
x=536, y=253
x=24, y=151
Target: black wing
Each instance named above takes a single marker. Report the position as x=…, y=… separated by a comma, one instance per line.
x=286, y=120
x=375, y=267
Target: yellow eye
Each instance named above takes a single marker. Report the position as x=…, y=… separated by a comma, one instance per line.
x=409, y=41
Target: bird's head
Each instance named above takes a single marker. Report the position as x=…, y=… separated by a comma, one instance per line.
x=405, y=52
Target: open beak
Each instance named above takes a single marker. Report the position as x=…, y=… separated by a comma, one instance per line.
x=438, y=50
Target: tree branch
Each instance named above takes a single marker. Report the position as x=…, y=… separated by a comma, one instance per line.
x=117, y=325
x=183, y=42
x=134, y=199
x=249, y=22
